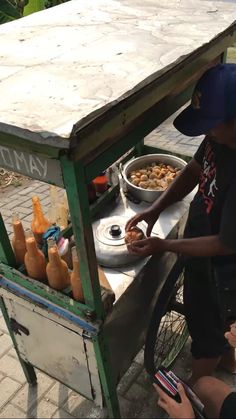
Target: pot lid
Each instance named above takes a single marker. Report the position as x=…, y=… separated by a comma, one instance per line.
x=109, y=239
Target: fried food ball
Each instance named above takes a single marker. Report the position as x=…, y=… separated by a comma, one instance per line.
x=152, y=185
x=153, y=176
x=143, y=185
x=135, y=181
x=133, y=235
x=170, y=168
x=144, y=178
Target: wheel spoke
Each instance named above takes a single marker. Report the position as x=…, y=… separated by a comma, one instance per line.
x=172, y=328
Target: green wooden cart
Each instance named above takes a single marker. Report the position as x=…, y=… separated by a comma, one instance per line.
x=81, y=85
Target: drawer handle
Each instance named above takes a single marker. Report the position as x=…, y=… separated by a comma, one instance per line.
x=17, y=328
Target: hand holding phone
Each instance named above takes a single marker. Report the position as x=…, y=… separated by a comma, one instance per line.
x=175, y=410
x=169, y=382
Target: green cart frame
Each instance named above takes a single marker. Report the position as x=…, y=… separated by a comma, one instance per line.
x=94, y=145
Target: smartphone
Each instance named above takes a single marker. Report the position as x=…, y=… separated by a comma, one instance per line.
x=196, y=402
x=167, y=384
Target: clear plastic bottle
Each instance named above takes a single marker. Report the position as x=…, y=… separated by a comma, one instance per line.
x=54, y=202
x=35, y=262
x=62, y=216
x=57, y=269
x=58, y=211
x=18, y=240
x=40, y=223
x=75, y=280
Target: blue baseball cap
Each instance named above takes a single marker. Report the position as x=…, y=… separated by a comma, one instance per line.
x=213, y=101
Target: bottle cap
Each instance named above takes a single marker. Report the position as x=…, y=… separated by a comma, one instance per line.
x=51, y=243
x=63, y=246
x=29, y=234
x=15, y=217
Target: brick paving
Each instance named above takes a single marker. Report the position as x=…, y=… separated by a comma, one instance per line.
x=50, y=399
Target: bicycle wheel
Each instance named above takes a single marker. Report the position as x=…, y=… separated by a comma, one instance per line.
x=167, y=332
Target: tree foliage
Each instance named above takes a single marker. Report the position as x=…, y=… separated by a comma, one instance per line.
x=14, y=9
x=9, y=11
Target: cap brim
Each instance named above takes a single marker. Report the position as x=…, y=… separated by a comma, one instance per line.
x=190, y=122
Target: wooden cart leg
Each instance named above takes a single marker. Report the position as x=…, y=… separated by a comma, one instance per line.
x=107, y=380
x=27, y=368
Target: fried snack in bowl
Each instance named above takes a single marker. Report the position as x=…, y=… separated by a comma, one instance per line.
x=152, y=174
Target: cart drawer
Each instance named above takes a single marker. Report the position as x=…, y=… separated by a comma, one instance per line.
x=48, y=343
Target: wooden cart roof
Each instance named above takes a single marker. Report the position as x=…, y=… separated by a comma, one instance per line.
x=61, y=66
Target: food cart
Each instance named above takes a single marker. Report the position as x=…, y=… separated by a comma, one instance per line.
x=82, y=84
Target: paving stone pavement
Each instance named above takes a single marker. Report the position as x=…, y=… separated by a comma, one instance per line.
x=50, y=399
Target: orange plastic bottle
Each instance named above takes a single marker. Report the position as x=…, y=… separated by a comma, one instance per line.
x=75, y=280
x=35, y=262
x=18, y=240
x=40, y=223
x=57, y=269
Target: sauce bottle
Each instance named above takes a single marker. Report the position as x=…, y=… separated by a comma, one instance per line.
x=57, y=269
x=101, y=183
x=39, y=224
x=35, y=262
x=103, y=280
x=75, y=280
x=18, y=240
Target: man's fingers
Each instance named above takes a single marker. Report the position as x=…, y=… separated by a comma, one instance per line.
x=233, y=329
x=181, y=391
x=161, y=401
x=140, y=243
x=163, y=396
x=137, y=250
x=137, y=246
x=231, y=338
x=228, y=335
x=162, y=404
x=159, y=391
x=133, y=222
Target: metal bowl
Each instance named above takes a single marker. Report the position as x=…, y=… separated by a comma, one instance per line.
x=148, y=195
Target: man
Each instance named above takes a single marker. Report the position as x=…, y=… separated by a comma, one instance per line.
x=210, y=234
x=217, y=397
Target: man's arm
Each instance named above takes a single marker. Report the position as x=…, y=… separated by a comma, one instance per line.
x=179, y=188
x=206, y=246
x=183, y=184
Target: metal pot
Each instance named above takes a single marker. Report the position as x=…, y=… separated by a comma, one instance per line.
x=109, y=239
x=148, y=195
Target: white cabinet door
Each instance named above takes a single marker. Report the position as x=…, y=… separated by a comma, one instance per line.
x=53, y=347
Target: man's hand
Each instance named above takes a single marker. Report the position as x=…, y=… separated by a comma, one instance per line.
x=231, y=335
x=147, y=247
x=149, y=216
x=174, y=409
